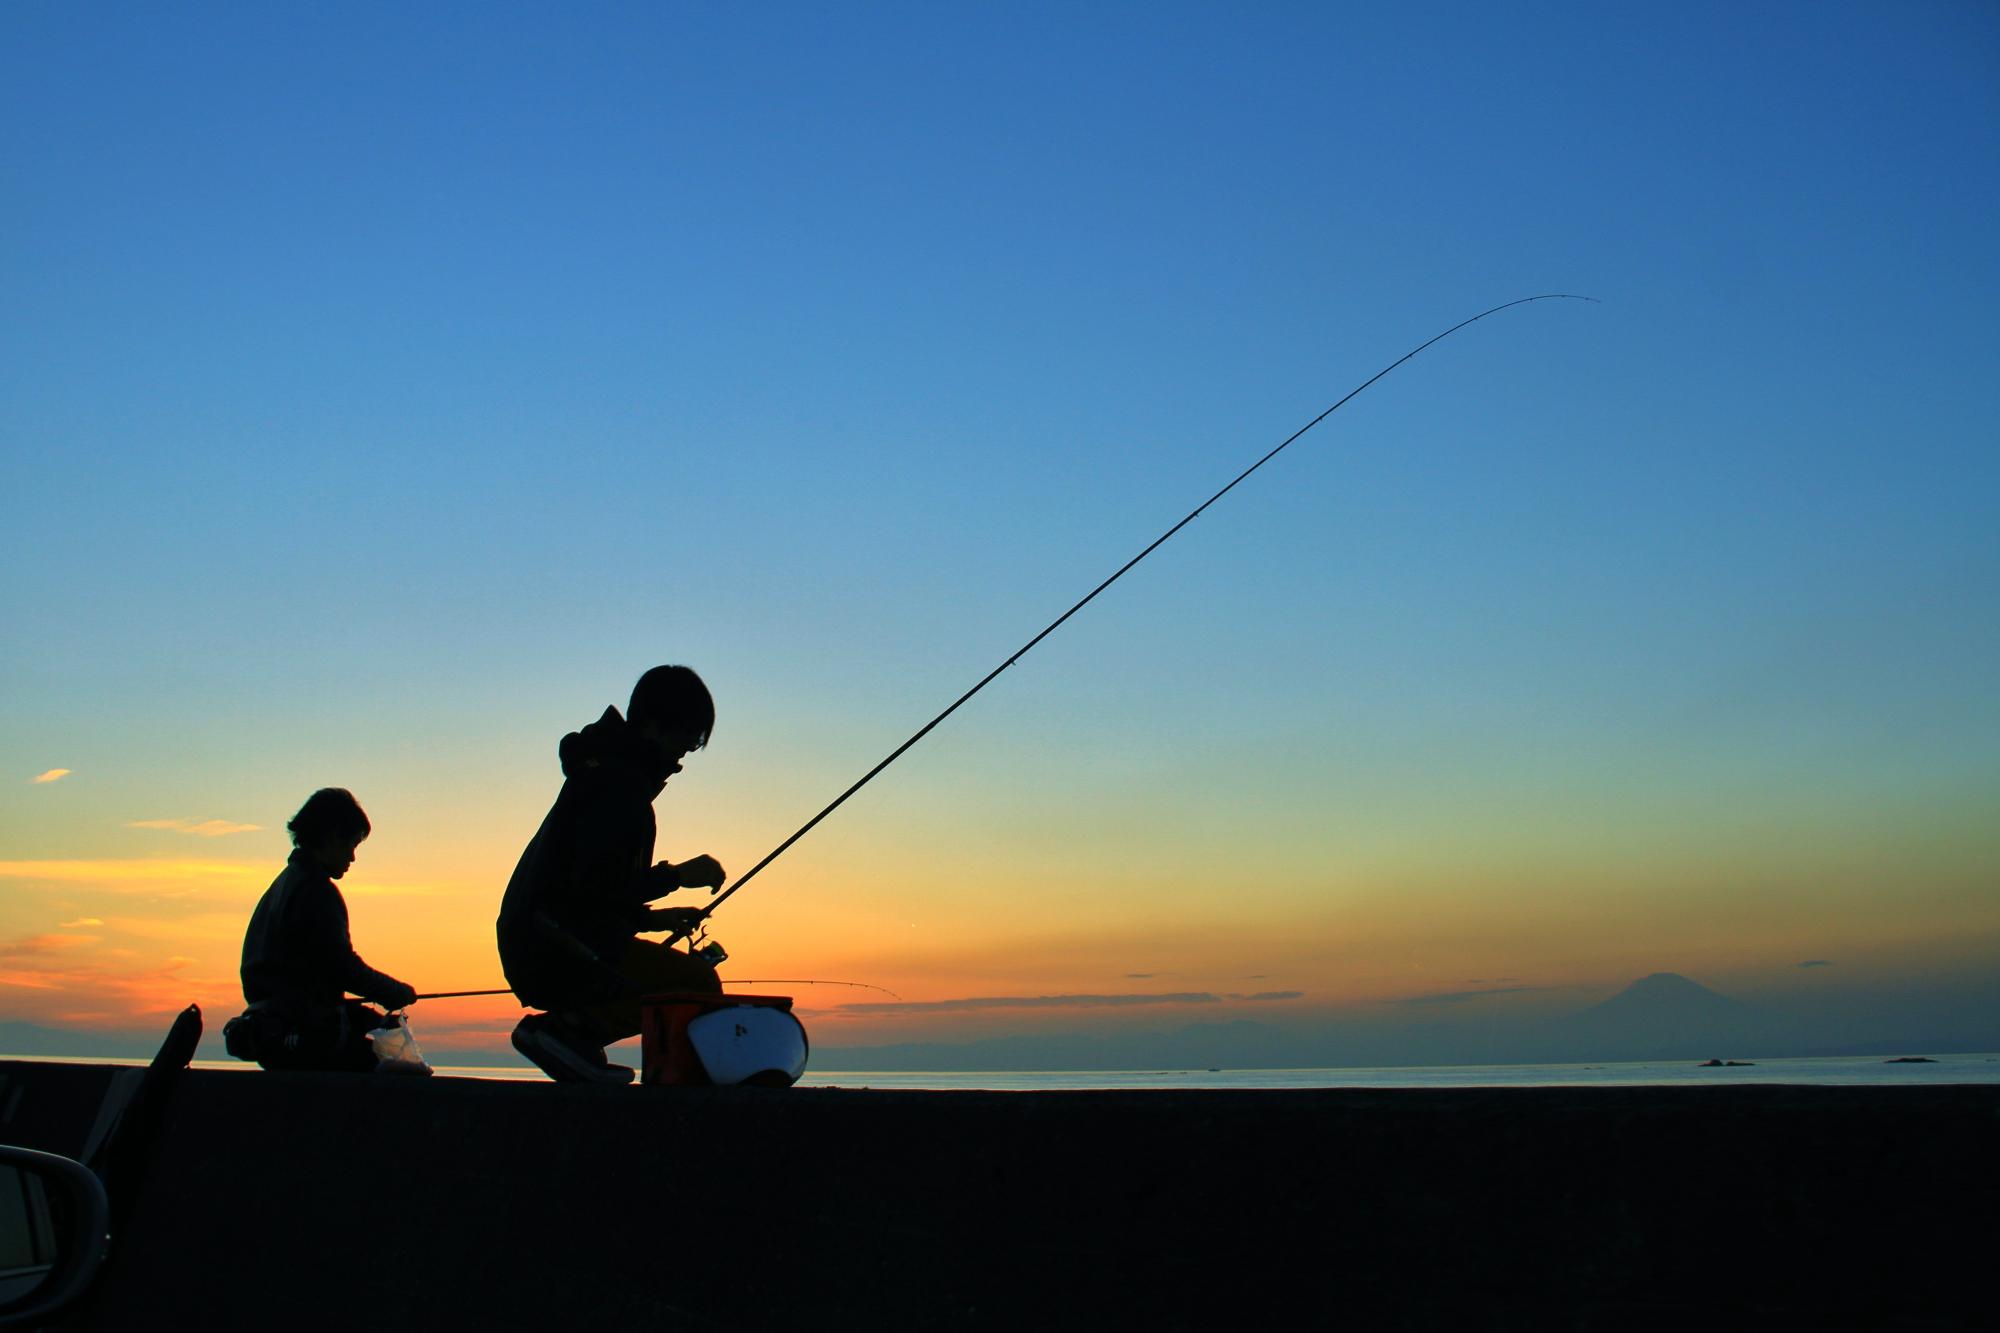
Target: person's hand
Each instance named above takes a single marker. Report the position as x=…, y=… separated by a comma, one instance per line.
x=399, y=996
x=700, y=872
x=675, y=920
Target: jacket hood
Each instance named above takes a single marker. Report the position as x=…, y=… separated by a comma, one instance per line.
x=611, y=748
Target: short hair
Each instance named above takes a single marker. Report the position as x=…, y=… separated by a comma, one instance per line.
x=673, y=696
x=330, y=812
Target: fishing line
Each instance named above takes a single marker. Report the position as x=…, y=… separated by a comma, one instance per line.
x=727, y=981
x=800, y=981
x=1055, y=624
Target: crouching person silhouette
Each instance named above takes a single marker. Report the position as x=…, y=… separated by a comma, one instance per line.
x=580, y=896
x=299, y=963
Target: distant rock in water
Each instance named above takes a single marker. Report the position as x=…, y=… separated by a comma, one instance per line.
x=1910, y=1060
x=1725, y=1064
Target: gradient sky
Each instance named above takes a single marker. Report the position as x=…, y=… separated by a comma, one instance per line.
x=383, y=387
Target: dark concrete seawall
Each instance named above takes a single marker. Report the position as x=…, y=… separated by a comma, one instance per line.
x=309, y=1201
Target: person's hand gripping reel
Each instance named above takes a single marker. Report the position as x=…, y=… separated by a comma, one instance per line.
x=689, y=923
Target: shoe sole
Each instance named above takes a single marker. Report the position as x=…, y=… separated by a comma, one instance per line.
x=562, y=1064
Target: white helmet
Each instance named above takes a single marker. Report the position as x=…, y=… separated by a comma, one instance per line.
x=750, y=1043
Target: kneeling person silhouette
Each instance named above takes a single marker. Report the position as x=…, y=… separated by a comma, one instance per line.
x=299, y=962
x=581, y=894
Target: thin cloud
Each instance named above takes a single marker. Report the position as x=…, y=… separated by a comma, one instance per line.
x=170, y=884
x=1140, y=976
x=200, y=828
x=141, y=875
x=1461, y=996
x=212, y=927
x=83, y=921
x=53, y=775
x=1264, y=996
x=1817, y=962
x=40, y=962
x=1028, y=1002
x=35, y=946
x=187, y=885
x=70, y=980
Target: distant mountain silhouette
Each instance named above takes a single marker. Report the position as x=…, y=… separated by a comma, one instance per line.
x=1671, y=996
x=1664, y=1016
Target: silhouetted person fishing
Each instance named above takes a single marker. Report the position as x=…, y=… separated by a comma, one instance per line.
x=582, y=892
x=299, y=963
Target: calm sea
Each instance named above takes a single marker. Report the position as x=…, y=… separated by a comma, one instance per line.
x=1873, y=1070
x=1830, y=1071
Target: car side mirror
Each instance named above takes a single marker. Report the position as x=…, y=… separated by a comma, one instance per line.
x=54, y=1230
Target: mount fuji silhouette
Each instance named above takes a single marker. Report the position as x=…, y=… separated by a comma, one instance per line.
x=1664, y=1016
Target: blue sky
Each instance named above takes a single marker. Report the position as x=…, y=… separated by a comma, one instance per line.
x=382, y=388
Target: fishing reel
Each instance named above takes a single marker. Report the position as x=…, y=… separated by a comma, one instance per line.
x=710, y=952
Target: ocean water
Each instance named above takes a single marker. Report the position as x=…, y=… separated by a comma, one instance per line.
x=1829, y=1071
x=1845, y=1070
x=1869, y=1070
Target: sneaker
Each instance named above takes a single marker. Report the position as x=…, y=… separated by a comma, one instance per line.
x=563, y=1055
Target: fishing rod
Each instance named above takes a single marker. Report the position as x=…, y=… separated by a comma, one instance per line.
x=694, y=932
x=727, y=981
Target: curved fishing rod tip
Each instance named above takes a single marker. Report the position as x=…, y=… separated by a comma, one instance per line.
x=1089, y=597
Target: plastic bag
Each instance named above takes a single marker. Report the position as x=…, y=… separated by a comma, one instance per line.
x=396, y=1048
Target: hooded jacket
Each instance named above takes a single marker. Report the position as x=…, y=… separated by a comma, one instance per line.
x=586, y=876
x=297, y=954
